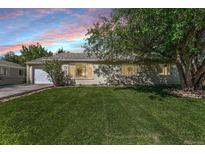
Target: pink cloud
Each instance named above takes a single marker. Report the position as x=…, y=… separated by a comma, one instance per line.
x=92, y=9
x=90, y=13
x=34, y=12
x=11, y=14
x=82, y=16
x=44, y=11
x=67, y=31
x=16, y=47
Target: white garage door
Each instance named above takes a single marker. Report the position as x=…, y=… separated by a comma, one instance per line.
x=41, y=77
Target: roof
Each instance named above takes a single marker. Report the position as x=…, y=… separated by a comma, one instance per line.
x=84, y=57
x=10, y=64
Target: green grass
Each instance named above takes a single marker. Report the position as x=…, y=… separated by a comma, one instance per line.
x=101, y=115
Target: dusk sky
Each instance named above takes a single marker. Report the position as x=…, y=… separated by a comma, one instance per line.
x=52, y=28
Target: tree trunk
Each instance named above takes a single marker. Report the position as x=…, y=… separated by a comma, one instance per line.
x=188, y=82
x=181, y=75
x=198, y=86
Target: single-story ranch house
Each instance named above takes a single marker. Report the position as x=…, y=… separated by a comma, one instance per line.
x=87, y=70
x=11, y=73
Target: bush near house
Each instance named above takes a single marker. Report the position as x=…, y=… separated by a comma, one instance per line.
x=56, y=74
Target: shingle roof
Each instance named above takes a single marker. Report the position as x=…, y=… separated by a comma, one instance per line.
x=74, y=56
x=84, y=57
x=38, y=60
x=9, y=64
x=66, y=57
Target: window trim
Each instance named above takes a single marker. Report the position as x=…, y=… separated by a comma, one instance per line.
x=75, y=71
x=136, y=70
x=168, y=70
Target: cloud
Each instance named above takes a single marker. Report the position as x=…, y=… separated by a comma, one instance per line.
x=16, y=47
x=69, y=25
x=67, y=31
x=46, y=11
x=12, y=14
x=82, y=16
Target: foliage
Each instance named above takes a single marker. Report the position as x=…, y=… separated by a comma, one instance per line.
x=61, y=50
x=102, y=115
x=56, y=74
x=174, y=35
x=27, y=53
x=12, y=57
x=32, y=52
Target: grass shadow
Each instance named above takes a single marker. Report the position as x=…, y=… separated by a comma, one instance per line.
x=155, y=90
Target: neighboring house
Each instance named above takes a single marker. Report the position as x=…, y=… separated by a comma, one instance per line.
x=87, y=70
x=11, y=73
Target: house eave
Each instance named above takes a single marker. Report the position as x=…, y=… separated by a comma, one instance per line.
x=9, y=66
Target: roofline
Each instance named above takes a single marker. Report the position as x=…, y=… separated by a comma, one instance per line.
x=10, y=66
x=100, y=61
x=66, y=60
x=5, y=63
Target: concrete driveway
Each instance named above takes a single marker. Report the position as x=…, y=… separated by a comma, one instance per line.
x=15, y=90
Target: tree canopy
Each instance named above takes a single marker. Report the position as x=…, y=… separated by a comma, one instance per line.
x=27, y=53
x=33, y=51
x=12, y=57
x=174, y=35
x=61, y=50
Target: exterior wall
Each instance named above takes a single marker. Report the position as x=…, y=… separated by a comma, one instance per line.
x=149, y=75
x=13, y=77
x=30, y=73
x=111, y=74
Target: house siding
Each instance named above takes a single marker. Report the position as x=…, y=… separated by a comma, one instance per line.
x=111, y=74
x=13, y=77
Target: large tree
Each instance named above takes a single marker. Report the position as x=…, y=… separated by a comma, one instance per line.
x=12, y=57
x=27, y=53
x=174, y=35
x=61, y=50
x=33, y=51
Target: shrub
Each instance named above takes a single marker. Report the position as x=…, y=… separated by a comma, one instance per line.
x=55, y=72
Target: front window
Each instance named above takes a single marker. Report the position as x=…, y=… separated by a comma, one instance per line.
x=130, y=70
x=81, y=71
x=164, y=69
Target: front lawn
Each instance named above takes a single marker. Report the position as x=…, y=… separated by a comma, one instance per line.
x=101, y=115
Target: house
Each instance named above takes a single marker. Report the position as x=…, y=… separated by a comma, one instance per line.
x=88, y=70
x=11, y=73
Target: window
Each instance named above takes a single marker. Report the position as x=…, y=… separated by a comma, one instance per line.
x=21, y=72
x=130, y=70
x=164, y=70
x=4, y=71
x=72, y=71
x=203, y=83
x=81, y=71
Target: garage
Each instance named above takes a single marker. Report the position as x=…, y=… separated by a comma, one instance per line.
x=41, y=77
